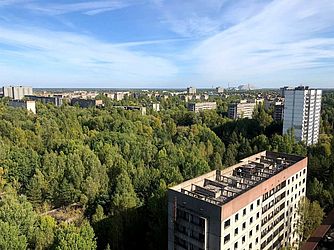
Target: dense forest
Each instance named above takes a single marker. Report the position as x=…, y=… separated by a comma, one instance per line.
x=73, y=178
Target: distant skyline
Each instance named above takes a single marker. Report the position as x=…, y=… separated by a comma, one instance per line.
x=166, y=43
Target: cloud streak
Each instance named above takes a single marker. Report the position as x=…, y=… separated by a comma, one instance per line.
x=286, y=36
x=79, y=56
x=84, y=7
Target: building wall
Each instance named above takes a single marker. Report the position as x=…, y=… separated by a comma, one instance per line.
x=16, y=92
x=197, y=107
x=262, y=217
x=241, y=110
x=302, y=114
x=29, y=105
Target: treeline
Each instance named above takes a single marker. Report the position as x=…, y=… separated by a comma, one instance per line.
x=118, y=165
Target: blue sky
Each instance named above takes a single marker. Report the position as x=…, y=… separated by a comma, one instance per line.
x=166, y=43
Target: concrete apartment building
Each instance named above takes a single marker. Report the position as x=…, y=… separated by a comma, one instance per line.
x=200, y=106
x=243, y=109
x=86, y=103
x=28, y=105
x=16, y=92
x=302, y=113
x=220, y=90
x=191, y=91
x=251, y=205
x=55, y=100
x=278, y=111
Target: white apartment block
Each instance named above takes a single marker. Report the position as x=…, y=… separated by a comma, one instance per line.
x=249, y=206
x=16, y=92
x=200, y=106
x=243, y=109
x=302, y=113
x=191, y=91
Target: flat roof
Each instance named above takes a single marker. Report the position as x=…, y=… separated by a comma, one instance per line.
x=220, y=186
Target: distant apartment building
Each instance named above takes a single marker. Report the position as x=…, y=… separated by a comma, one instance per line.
x=16, y=92
x=86, y=103
x=302, y=113
x=200, y=106
x=55, y=100
x=220, y=90
x=278, y=111
x=251, y=205
x=155, y=106
x=119, y=96
x=243, y=109
x=191, y=91
x=28, y=105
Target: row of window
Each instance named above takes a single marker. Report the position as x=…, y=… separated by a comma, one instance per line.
x=273, y=191
x=272, y=225
x=227, y=223
x=273, y=202
x=194, y=219
x=296, y=176
x=272, y=214
x=199, y=236
x=185, y=244
x=272, y=236
x=250, y=246
x=244, y=212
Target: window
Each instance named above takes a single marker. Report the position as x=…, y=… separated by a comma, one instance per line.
x=226, y=238
x=243, y=225
x=256, y=240
x=251, y=220
x=236, y=217
x=258, y=202
x=244, y=212
x=257, y=228
x=236, y=245
x=250, y=233
x=227, y=224
x=257, y=215
x=236, y=231
x=293, y=178
x=243, y=239
x=250, y=246
x=251, y=207
x=288, y=182
x=304, y=171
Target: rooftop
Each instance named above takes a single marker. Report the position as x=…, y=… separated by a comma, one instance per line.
x=220, y=186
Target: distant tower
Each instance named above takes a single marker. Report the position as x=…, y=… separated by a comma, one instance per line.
x=191, y=91
x=220, y=90
x=302, y=113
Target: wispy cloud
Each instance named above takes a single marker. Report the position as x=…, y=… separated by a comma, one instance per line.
x=84, y=7
x=78, y=56
x=285, y=41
